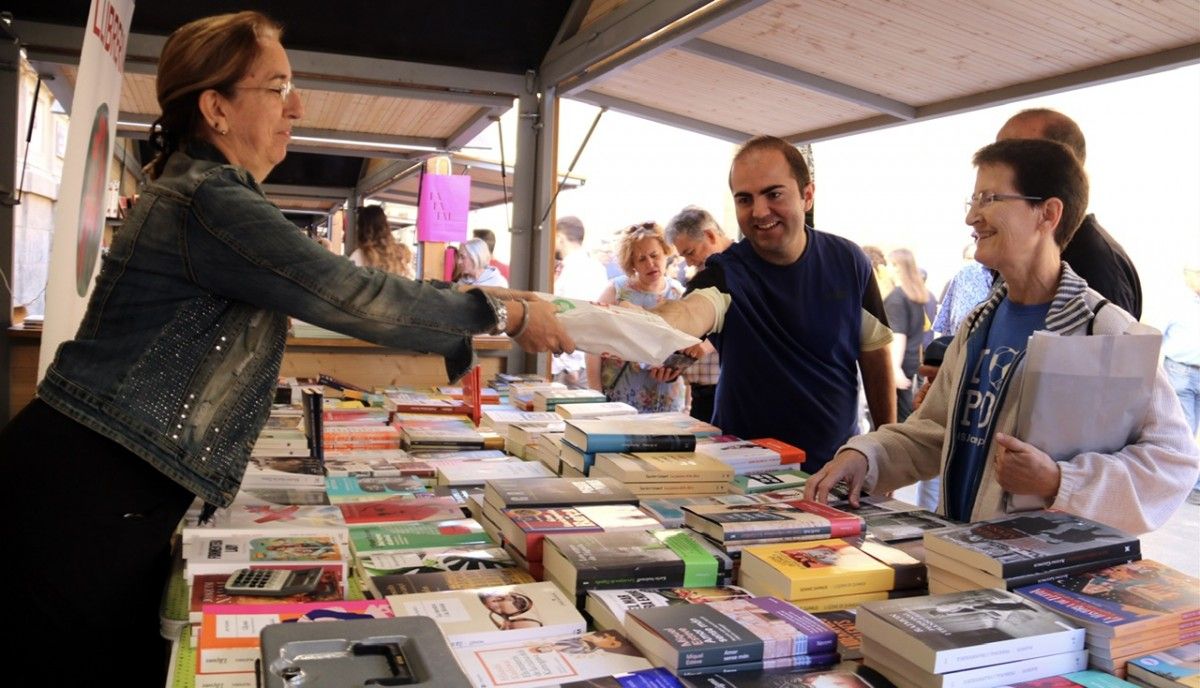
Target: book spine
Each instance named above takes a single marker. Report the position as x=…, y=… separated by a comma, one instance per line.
x=784, y=533
x=658, y=574
x=1012, y=569
x=798, y=661
x=1065, y=572
x=640, y=443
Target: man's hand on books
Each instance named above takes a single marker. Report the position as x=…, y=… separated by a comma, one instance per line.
x=1023, y=469
x=849, y=466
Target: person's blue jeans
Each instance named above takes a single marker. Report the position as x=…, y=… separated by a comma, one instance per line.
x=1185, y=379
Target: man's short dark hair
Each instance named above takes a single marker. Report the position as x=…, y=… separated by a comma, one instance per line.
x=1046, y=169
x=571, y=227
x=691, y=222
x=795, y=160
x=488, y=236
x=1058, y=127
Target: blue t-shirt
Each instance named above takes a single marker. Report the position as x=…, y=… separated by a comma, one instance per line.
x=790, y=344
x=989, y=364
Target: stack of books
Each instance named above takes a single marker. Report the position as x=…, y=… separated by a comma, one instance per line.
x=752, y=456
x=648, y=432
x=552, y=661
x=519, y=435
x=597, y=409
x=520, y=513
x=1177, y=667
x=1022, y=549
x=551, y=399
x=632, y=559
x=665, y=474
x=427, y=433
x=824, y=575
x=982, y=637
x=477, y=473
x=738, y=526
x=609, y=607
x=1128, y=610
x=436, y=581
x=731, y=636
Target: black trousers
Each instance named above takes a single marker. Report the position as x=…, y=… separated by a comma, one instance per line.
x=703, y=397
x=87, y=527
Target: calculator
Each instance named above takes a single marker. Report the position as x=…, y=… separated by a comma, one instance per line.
x=273, y=582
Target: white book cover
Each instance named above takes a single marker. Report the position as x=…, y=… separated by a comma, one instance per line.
x=551, y=661
x=501, y=614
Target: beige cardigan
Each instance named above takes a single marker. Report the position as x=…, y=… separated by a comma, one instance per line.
x=1135, y=489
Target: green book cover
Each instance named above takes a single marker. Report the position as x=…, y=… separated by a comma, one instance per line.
x=387, y=537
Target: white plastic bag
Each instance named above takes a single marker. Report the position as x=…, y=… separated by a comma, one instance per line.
x=628, y=333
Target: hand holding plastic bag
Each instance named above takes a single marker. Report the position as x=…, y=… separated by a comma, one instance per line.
x=632, y=334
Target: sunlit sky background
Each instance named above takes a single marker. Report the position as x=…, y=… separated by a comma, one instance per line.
x=905, y=186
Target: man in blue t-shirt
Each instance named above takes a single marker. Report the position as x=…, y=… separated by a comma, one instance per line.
x=793, y=312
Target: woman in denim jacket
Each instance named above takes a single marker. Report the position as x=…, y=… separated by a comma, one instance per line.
x=170, y=377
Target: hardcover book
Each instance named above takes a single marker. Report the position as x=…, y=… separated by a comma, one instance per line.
x=820, y=568
x=1032, y=541
x=731, y=631
x=964, y=630
x=551, y=661
x=608, y=607
x=555, y=491
x=487, y=616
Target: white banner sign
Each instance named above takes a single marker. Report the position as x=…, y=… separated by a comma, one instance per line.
x=79, y=212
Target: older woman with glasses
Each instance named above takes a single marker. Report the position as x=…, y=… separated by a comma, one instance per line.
x=1029, y=198
x=170, y=378
x=643, y=254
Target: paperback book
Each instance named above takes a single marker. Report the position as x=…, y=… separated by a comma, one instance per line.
x=740, y=631
x=774, y=521
x=555, y=491
x=391, y=537
x=411, y=583
x=551, y=661
x=607, y=561
x=487, y=616
x=821, y=568
x=965, y=630
x=526, y=527
x=609, y=607
x=1032, y=541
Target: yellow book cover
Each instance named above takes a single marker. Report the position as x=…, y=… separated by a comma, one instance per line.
x=817, y=568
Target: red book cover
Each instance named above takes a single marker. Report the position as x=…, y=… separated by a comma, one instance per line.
x=787, y=453
x=401, y=509
x=841, y=523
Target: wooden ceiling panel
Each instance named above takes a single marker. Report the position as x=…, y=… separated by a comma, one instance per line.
x=925, y=51
x=710, y=91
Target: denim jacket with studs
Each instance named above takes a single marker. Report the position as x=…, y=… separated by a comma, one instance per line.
x=178, y=354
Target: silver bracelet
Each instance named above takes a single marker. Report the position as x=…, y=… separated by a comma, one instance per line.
x=524, y=320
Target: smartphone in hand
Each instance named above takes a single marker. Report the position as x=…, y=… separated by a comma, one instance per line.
x=679, y=361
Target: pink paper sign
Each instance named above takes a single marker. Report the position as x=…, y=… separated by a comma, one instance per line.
x=442, y=209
